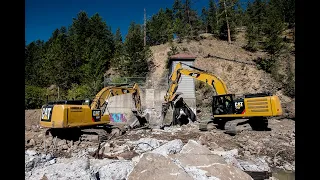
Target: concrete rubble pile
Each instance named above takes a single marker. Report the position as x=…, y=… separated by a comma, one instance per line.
x=175, y=152
x=147, y=158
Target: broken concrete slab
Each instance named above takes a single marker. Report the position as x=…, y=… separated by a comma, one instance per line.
x=73, y=169
x=229, y=157
x=257, y=168
x=233, y=152
x=157, y=166
x=201, y=163
x=198, y=159
x=209, y=166
x=226, y=172
x=146, y=144
x=115, y=170
x=31, y=152
x=171, y=147
x=257, y=164
x=193, y=147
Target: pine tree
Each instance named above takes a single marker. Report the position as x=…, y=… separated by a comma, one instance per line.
x=58, y=67
x=34, y=63
x=273, y=29
x=227, y=19
x=258, y=16
x=252, y=36
x=177, y=9
x=169, y=24
x=160, y=27
x=239, y=15
x=213, y=18
x=286, y=10
x=204, y=19
x=256, y=13
x=247, y=13
x=117, y=60
x=136, y=55
x=190, y=18
x=78, y=32
x=98, y=52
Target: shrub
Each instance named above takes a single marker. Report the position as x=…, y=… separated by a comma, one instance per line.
x=173, y=51
x=35, y=97
x=265, y=64
x=78, y=92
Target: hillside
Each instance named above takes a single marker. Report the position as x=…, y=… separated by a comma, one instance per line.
x=218, y=57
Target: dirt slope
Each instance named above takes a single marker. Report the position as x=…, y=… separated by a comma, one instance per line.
x=32, y=117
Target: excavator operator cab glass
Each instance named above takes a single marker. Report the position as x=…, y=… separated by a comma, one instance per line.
x=222, y=104
x=87, y=102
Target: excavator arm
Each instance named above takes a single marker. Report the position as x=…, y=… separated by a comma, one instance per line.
x=101, y=99
x=217, y=84
x=136, y=98
x=174, y=99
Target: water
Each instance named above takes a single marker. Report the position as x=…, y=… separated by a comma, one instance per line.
x=284, y=175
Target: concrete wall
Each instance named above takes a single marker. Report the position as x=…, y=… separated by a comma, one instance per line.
x=154, y=98
x=119, y=107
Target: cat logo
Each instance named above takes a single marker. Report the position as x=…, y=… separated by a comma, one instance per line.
x=238, y=105
x=194, y=75
x=46, y=113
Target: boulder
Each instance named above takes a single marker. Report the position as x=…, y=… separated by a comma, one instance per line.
x=157, y=166
x=171, y=147
x=200, y=163
x=192, y=147
x=146, y=144
x=115, y=170
x=209, y=166
x=73, y=169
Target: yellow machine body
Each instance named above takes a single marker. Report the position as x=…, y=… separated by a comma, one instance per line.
x=67, y=114
x=256, y=105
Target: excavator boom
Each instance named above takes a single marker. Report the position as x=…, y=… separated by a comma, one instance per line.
x=214, y=81
x=101, y=99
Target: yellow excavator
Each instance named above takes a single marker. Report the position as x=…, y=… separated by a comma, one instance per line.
x=76, y=117
x=228, y=111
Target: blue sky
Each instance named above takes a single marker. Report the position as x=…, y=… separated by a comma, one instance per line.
x=44, y=16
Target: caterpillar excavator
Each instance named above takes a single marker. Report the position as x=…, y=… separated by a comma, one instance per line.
x=86, y=118
x=228, y=111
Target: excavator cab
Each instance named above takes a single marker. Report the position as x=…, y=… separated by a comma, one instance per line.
x=223, y=104
x=227, y=104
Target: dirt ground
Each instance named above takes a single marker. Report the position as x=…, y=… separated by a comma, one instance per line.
x=278, y=145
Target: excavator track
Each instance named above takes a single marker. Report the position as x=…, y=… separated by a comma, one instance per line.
x=230, y=127
x=97, y=135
